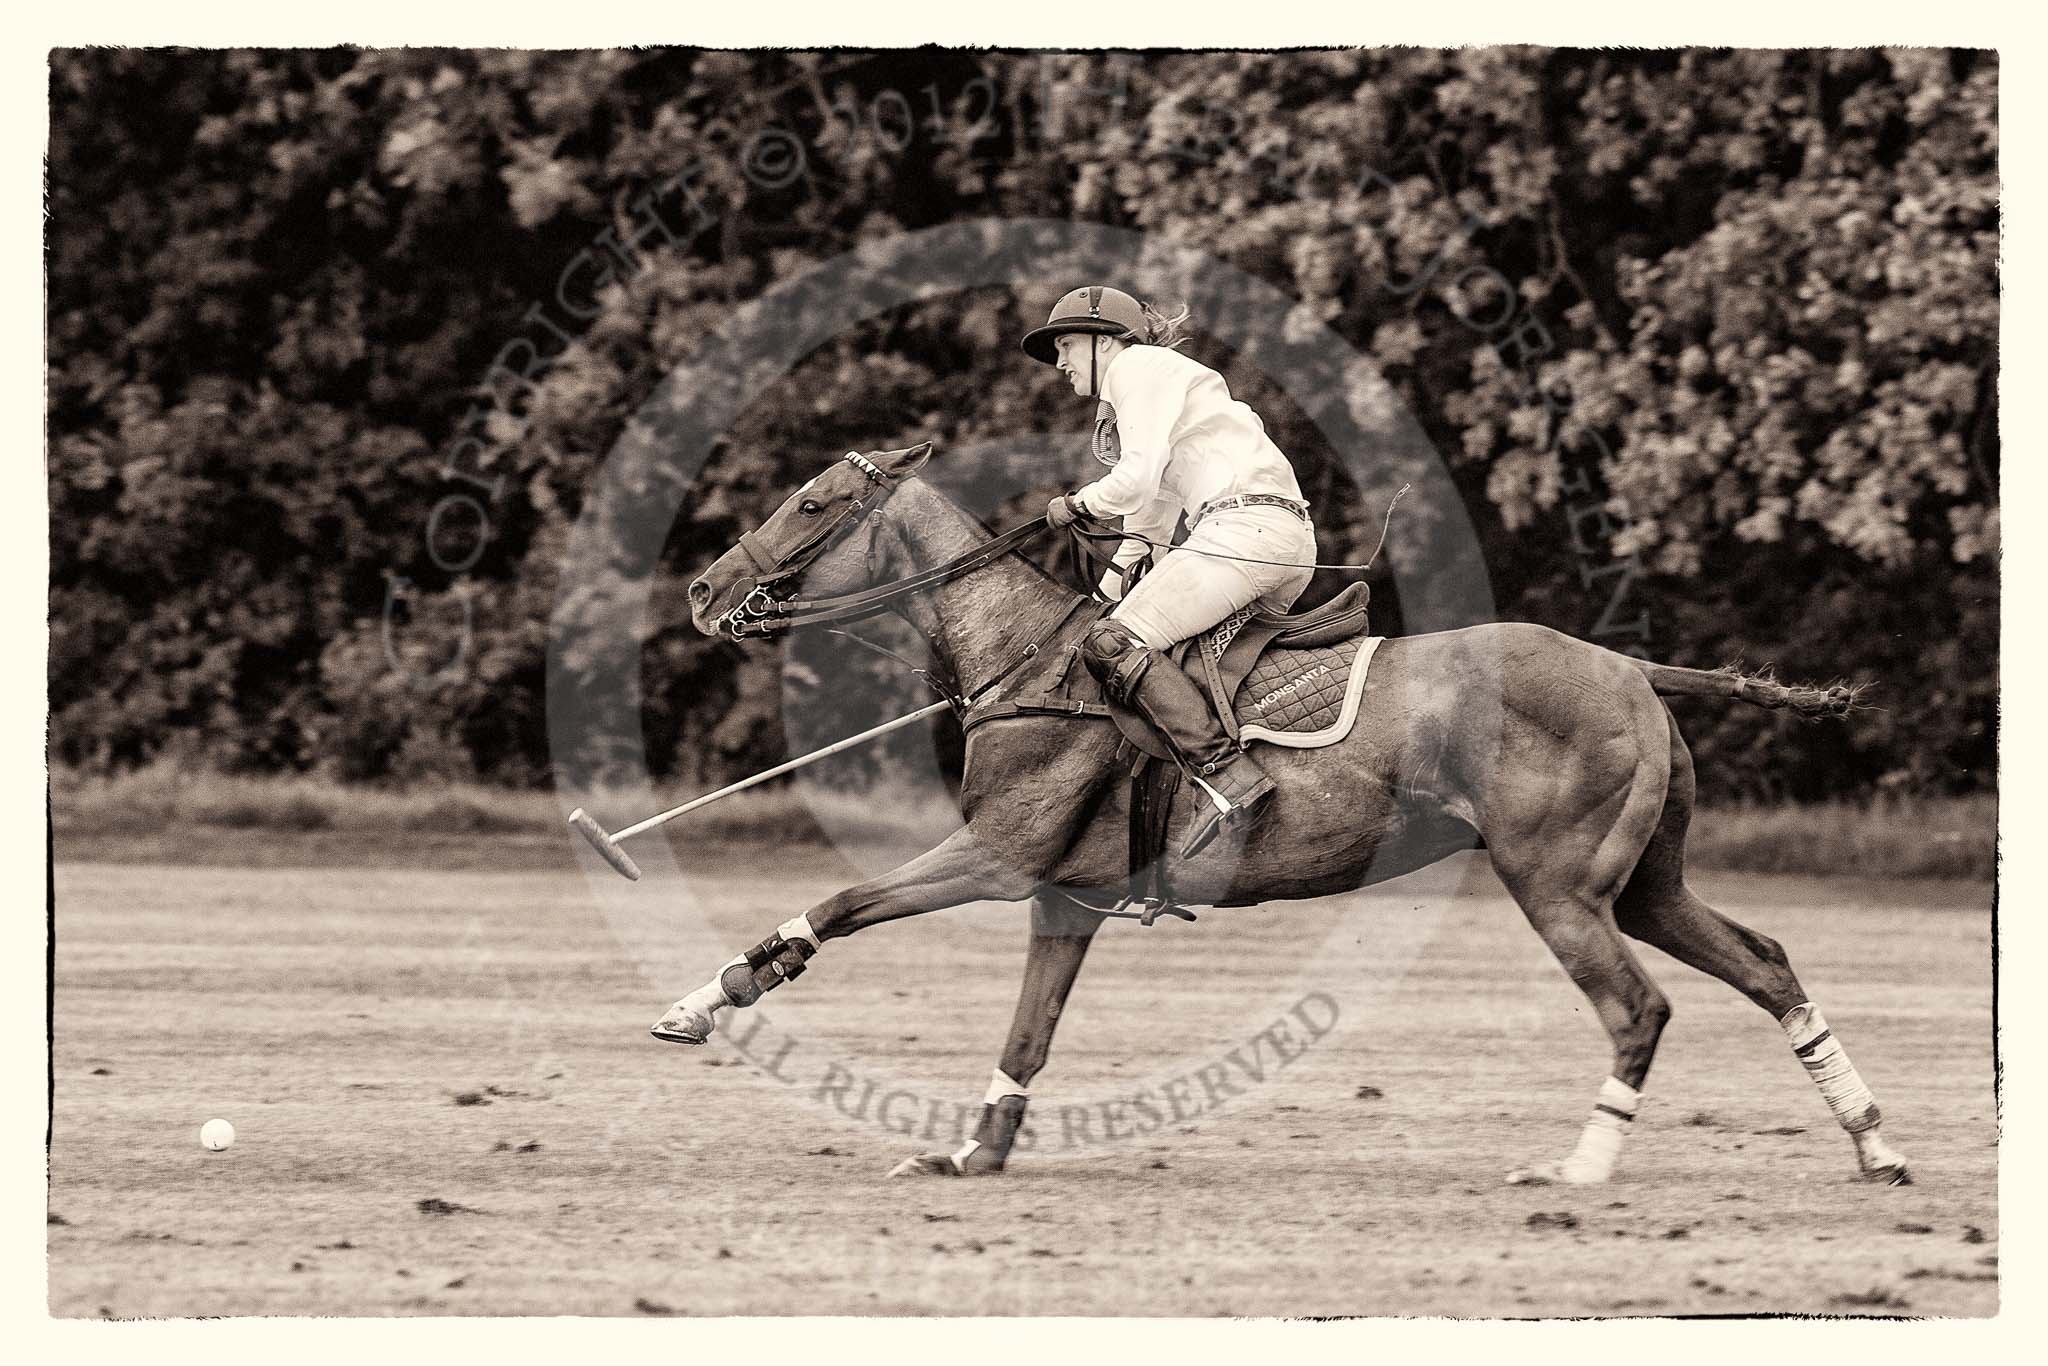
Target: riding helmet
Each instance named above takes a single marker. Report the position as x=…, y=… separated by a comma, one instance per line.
x=1091, y=308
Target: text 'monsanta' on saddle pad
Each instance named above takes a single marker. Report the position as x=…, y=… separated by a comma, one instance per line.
x=1304, y=698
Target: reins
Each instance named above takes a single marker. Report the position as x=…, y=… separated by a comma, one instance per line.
x=1121, y=536
x=760, y=613
x=961, y=702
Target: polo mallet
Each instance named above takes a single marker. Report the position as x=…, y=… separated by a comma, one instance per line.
x=608, y=845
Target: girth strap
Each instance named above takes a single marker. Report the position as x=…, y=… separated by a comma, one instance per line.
x=1046, y=706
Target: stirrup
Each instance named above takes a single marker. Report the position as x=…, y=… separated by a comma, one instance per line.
x=1150, y=908
x=1215, y=820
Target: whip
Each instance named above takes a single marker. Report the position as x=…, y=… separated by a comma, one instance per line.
x=1185, y=549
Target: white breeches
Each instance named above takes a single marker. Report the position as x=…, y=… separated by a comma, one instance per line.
x=1186, y=594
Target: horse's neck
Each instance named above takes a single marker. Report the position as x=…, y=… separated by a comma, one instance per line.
x=978, y=624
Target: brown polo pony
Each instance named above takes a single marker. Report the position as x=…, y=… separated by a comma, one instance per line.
x=1557, y=755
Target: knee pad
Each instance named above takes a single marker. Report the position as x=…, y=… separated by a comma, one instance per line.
x=1116, y=657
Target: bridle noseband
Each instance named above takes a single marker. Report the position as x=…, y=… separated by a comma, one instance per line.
x=760, y=611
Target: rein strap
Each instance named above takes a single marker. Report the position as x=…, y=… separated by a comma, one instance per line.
x=761, y=615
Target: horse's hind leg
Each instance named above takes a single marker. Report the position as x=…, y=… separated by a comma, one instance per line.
x=1579, y=931
x=1565, y=847
x=1658, y=908
x=1060, y=935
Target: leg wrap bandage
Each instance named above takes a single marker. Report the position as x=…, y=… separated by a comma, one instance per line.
x=1600, y=1142
x=1824, y=1059
x=1001, y=1084
x=1002, y=1115
x=1821, y=1054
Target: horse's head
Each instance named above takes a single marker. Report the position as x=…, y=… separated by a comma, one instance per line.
x=822, y=537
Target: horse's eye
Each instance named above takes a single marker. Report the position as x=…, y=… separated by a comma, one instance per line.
x=811, y=507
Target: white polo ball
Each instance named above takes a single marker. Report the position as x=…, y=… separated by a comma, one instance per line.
x=216, y=1134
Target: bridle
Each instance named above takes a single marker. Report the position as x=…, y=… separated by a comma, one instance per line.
x=762, y=613
x=760, y=607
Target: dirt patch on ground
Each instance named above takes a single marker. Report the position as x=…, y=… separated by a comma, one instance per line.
x=333, y=1014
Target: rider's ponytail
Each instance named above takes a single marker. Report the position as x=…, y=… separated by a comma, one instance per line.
x=1162, y=330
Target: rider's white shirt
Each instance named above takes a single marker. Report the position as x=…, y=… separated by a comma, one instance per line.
x=1186, y=442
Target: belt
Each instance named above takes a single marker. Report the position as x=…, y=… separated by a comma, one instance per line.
x=1249, y=500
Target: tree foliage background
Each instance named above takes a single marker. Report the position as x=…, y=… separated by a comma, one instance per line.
x=1744, y=407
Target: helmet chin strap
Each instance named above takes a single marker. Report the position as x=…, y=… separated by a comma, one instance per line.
x=1095, y=366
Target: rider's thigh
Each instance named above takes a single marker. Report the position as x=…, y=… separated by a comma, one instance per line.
x=1277, y=550
x=1189, y=593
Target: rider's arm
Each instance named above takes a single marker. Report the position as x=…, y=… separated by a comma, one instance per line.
x=1148, y=390
x=1155, y=521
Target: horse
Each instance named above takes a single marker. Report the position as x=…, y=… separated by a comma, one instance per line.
x=1557, y=756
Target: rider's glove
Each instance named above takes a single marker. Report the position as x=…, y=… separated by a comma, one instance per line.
x=1062, y=511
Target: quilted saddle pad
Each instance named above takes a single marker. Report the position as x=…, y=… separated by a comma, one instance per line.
x=1304, y=698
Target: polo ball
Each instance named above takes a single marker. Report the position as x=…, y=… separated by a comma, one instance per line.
x=216, y=1134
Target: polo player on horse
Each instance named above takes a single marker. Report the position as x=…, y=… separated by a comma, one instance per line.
x=1176, y=444
x=1560, y=757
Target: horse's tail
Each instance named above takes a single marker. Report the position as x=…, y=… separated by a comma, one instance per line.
x=1761, y=688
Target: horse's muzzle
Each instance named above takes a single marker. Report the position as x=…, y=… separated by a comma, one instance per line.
x=709, y=608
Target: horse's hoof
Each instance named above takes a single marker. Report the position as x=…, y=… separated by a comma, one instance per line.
x=927, y=1164
x=683, y=1024
x=667, y=1035
x=1555, y=1174
x=1879, y=1163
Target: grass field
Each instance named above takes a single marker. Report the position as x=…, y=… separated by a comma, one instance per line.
x=447, y=1104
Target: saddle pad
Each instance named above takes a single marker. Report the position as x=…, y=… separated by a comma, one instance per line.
x=1304, y=698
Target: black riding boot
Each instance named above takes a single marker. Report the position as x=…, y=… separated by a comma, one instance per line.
x=1229, y=787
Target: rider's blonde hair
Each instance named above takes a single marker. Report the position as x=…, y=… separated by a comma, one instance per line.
x=1162, y=329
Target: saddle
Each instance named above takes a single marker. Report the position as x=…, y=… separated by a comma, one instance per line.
x=1288, y=679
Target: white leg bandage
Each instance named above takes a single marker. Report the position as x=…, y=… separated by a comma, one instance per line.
x=711, y=998
x=1001, y=1084
x=1600, y=1141
x=1821, y=1053
x=799, y=928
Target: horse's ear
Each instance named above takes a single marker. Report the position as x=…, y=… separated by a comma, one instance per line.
x=909, y=460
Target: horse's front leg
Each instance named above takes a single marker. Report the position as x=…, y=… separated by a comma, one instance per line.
x=960, y=870
x=1060, y=934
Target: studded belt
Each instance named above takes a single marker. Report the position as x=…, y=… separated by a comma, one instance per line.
x=1249, y=500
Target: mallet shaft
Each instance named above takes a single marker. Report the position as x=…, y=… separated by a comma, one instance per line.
x=848, y=743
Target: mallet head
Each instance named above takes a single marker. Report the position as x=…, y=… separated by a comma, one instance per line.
x=582, y=824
